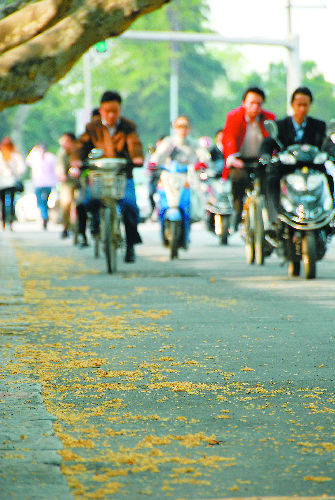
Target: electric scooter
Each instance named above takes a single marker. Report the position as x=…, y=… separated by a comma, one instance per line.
x=174, y=206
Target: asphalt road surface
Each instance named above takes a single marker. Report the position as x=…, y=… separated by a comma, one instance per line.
x=199, y=378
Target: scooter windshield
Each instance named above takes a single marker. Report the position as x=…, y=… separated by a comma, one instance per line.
x=174, y=167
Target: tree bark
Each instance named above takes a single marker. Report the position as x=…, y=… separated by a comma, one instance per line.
x=41, y=40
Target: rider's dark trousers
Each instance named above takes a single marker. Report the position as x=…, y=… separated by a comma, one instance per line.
x=11, y=192
x=130, y=214
x=272, y=188
x=92, y=205
x=240, y=181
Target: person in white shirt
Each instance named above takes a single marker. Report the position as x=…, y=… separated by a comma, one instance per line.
x=43, y=170
x=12, y=168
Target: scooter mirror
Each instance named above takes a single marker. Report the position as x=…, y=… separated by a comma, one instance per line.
x=331, y=128
x=271, y=128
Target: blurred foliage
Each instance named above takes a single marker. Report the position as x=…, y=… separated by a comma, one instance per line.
x=212, y=79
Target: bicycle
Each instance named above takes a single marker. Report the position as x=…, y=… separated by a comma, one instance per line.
x=255, y=220
x=107, y=180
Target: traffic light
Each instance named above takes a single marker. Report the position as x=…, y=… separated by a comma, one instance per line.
x=101, y=46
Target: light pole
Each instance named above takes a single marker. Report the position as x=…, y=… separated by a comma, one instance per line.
x=293, y=79
x=87, y=82
x=293, y=75
x=174, y=69
x=83, y=115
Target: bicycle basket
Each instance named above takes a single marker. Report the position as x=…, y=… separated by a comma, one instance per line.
x=108, y=179
x=107, y=185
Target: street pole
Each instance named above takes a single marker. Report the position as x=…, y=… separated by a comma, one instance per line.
x=289, y=17
x=174, y=90
x=293, y=74
x=87, y=82
x=83, y=115
x=293, y=78
x=174, y=69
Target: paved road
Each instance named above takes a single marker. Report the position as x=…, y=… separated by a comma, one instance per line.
x=201, y=378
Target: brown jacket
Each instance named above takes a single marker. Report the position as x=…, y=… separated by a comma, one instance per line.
x=125, y=142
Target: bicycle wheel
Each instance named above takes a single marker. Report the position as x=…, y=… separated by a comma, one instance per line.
x=110, y=242
x=75, y=232
x=259, y=235
x=249, y=237
x=74, y=225
x=96, y=238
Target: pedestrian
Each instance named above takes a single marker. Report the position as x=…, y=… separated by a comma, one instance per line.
x=43, y=170
x=12, y=168
x=68, y=184
x=117, y=137
x=243, y=135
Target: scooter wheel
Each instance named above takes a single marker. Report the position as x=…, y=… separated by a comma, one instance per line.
x=308, y=250
x=175, y=239
x=224, y=222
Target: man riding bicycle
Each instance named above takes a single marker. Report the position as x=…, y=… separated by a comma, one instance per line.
x=117, y=137
x=242, y=135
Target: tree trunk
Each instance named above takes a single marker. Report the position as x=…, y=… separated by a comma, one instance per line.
x=41, y=40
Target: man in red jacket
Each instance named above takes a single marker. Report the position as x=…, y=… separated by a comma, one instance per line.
x=242, y=136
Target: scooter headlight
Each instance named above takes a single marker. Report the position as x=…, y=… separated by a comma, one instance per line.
x=287, y=159
x=296, y=181
x=329, y=164
x=314, y=181
x=320, y=158
x=328, y=203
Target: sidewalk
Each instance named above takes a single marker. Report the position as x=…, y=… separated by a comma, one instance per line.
x=29, y=461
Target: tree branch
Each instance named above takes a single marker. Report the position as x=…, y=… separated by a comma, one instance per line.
x=41, y=42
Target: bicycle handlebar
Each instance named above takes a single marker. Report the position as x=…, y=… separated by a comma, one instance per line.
x=106, y=164
x=251, y=163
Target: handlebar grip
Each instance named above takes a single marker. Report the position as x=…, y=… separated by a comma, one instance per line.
x=250, y=162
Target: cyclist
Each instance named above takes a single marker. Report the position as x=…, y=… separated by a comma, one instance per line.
x=243, y=134
x=117, y=137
